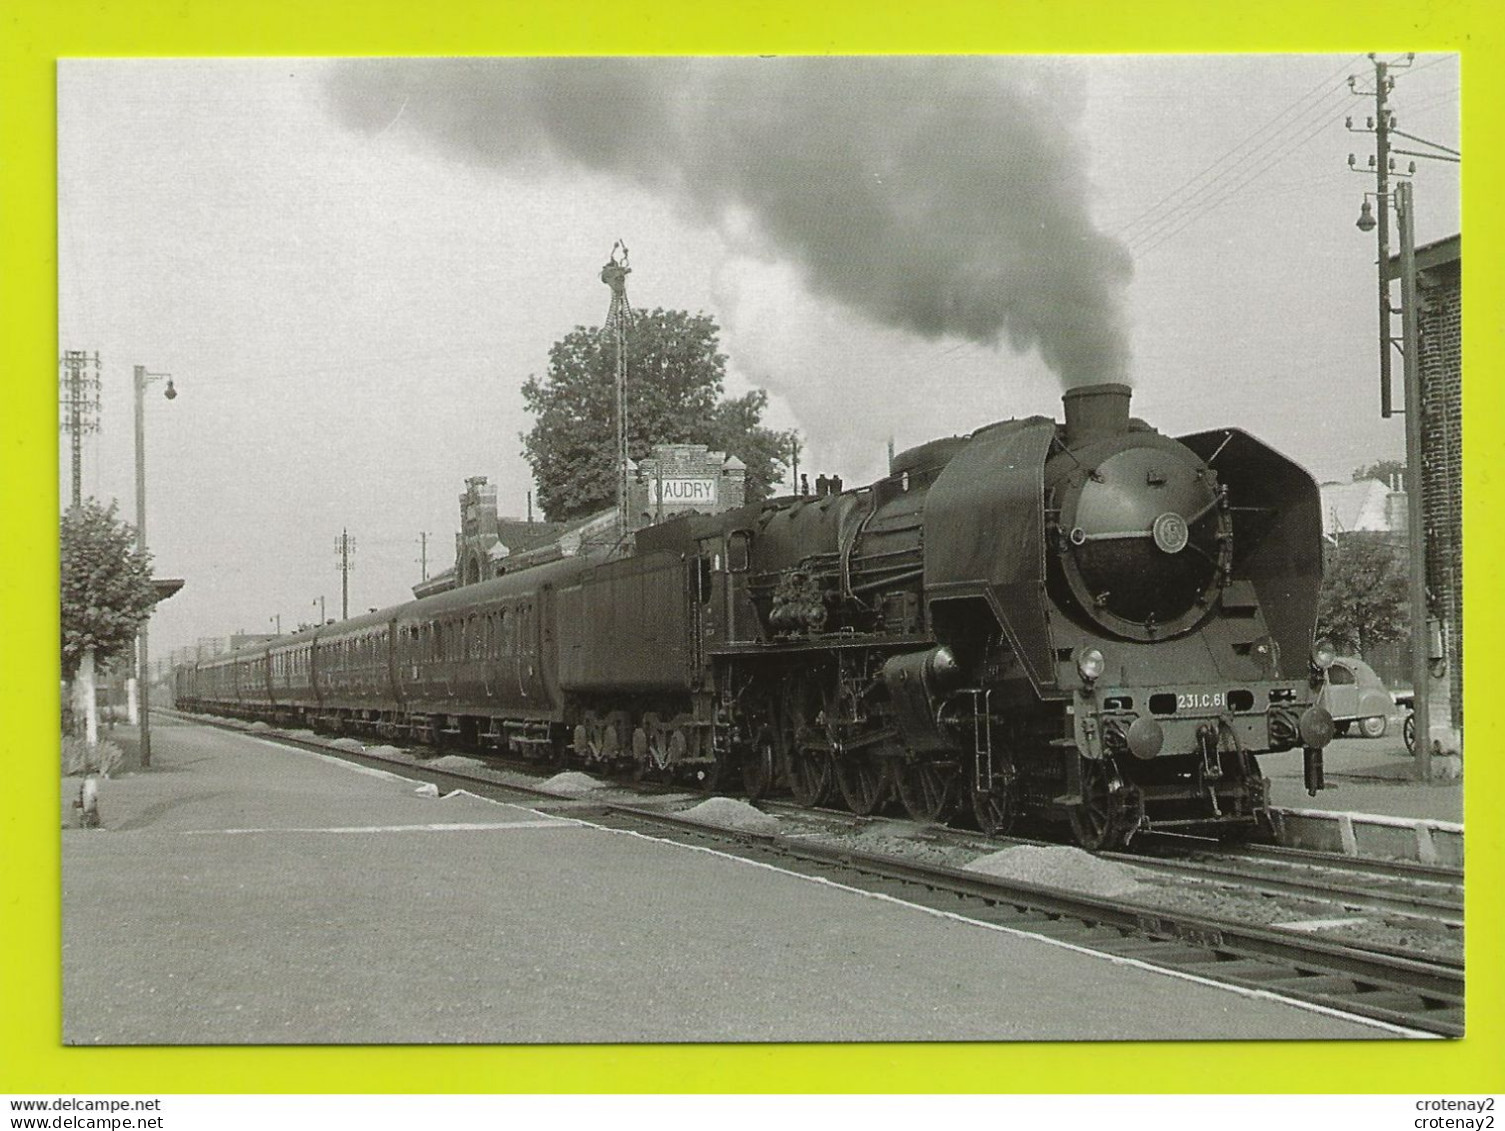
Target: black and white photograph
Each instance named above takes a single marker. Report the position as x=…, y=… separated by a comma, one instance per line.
x=619, y=550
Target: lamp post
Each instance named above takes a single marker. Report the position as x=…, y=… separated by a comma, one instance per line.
x=142, y=379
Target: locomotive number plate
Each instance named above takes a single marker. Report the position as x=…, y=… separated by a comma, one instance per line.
x=1200, y=700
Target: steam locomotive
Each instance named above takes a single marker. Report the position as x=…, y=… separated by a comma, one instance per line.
x=1087, y=623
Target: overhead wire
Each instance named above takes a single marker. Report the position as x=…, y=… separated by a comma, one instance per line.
x=1314, y=117
x=1233, y=179
x=1145, y=249
x=1221, y=167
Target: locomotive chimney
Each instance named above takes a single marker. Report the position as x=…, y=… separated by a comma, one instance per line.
x=1095, y=412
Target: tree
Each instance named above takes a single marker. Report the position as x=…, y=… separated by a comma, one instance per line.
x=675, y=376
x=1385, y=471
x=106, y=591
x=1364, y=594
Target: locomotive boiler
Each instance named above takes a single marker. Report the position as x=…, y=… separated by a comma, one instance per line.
x=1085, y=622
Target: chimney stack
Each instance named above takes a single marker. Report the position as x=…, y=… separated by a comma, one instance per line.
x=1096, y=412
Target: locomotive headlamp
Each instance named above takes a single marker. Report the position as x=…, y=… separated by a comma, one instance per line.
x=1323, y=655
x=1090, y=664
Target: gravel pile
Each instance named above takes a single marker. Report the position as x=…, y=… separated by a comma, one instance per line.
x=385, y=751
x=1061, y=866
x=728, y=813
x=260, y=727
x=570, y=783
x=456, y=764
x=346, y=744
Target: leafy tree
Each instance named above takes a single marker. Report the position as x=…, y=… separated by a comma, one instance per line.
x=1364, y=593
x=1384, y=470
x=106, y=585
x=675, y=376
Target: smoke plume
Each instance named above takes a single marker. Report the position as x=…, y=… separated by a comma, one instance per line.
x=940, y=196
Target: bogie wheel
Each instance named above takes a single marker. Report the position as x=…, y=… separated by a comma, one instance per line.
x=804, y=743
x=929, y=791
x=1374, y=726
x=866, y=783
x=1098, y=822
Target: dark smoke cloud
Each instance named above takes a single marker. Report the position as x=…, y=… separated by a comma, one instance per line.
x=941, y=196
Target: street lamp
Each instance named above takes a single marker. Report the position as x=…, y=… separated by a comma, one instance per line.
x=142, y=380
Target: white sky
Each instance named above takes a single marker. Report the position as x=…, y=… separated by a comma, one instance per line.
x=348, y=317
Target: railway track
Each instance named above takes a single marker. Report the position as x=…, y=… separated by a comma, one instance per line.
x=1415, y=993
x=1433, y=895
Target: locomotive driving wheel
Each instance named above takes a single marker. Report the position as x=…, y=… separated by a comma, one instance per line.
x=866, y=782
x=1100, y=821
x=805, y=743
x=929, y=791
x=759, y=762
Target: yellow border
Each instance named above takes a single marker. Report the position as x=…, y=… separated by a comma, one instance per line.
x=34, y=33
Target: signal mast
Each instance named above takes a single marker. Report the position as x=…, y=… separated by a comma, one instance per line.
x=618, y=319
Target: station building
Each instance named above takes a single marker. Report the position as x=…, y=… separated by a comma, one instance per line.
x=676, y=479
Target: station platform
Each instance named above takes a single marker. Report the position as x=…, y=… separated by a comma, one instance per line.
x=243, y=892
x=1370, y=776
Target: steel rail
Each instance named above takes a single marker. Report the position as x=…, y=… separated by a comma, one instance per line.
x=1448, y=912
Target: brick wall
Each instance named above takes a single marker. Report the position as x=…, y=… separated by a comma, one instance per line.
x=1441, y=324
x=710, y=482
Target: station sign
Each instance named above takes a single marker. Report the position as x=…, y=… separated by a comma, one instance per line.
x=684, y=490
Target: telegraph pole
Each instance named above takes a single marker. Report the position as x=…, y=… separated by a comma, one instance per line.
x=1380, y=125
x=1382, y=84
x=80, y=408
x=423, y=541
x=344, y=546
x=80, y=416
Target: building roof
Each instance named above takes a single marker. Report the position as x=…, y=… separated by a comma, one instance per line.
x=1364, y=505
x=1431, y=255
